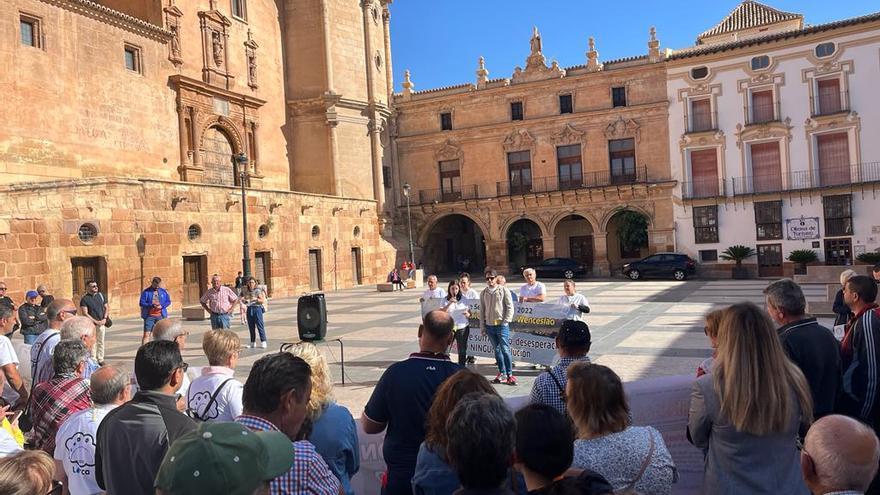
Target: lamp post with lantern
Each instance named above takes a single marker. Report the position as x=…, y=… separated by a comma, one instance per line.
x=406, y=188
x=243, y=176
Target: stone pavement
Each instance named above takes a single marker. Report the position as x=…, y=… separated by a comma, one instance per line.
x=639, y=329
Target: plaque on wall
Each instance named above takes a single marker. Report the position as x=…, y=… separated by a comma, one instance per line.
x=803, y=228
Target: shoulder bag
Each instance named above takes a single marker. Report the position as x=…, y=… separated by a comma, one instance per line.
x=192, y=413
x=630, y=489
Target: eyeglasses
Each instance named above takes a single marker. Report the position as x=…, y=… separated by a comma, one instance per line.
x=69, y=311
x=57, y=488
x=2, y=288
x=183, y=366
x=93, y=287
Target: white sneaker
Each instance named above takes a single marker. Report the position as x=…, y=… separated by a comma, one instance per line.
x=252, y=345
x=263, y=344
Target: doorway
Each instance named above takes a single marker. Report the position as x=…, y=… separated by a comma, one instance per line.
x=356, y=266
x=770, y=260
x=838, y=251
x=580, y=248
x=263, y=270
x=195, y=279
x=85, y=269
x=315, y=282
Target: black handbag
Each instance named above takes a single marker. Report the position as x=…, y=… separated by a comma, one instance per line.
x=108, y=322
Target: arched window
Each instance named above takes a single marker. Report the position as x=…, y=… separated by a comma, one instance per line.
x=219, y=162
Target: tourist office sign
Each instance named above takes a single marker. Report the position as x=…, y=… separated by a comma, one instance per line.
x=801, y=229
x=532, y=331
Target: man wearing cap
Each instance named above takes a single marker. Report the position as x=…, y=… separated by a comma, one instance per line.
x=573, y=344
x=94, y=305
x=224, y=458
x=32, y=318
x=154, y=304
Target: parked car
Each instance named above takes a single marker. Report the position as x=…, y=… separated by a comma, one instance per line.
x=559, y=268
x=675, y=265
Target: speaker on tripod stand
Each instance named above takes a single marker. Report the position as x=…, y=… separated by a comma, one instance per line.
x=311, y=317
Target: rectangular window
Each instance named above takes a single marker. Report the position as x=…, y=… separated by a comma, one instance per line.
x=706, y=224
x=622, y=159
x=568, y=165
x=565, y=105
x=386, y=176
x=832, y=151
x=766, y=167
x=30, y=30
x=133, y=58
x=768, y=220
x=446, y=121
x=516, y=110
x=519, y=164
x=618, y=96
x=239, y=9
x=838, y=215
x=708, y=255
x=762, y=107
x=450, y=180
x=828, y=91
x=701, y=115
x=704, y=174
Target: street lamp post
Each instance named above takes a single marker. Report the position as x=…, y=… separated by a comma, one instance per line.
x=242, y=161
x=406, y=188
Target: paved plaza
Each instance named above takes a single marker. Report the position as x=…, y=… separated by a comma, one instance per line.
x=640, y=329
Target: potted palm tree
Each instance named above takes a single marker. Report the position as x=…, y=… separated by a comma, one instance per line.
x=738, y=253
x=802, y=257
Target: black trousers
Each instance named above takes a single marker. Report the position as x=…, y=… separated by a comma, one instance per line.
x=461, y=339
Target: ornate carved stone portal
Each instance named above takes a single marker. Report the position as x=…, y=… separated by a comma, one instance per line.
x=215, y=56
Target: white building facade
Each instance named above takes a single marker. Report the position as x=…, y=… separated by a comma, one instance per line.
x=774, y=133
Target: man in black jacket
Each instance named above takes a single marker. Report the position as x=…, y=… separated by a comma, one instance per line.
x=810, y=345
x=133, y=438
x=32, y=318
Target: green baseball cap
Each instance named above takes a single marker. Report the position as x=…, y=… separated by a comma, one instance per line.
x=224, y=458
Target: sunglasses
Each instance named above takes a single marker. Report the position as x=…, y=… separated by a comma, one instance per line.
x=70, y=311
x=2, y=288
x=490, y=278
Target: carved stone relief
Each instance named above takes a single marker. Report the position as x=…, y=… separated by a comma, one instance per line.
x=215, y=56
x=518, y=140
x=250, y=52
x=569, y=135
x=623, y=128
x=172, y=23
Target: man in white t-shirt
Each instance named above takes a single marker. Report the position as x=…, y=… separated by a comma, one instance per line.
x=75, y=440
x=216, y=395
x=467, y=292
x=433, y=292
x=14, y=390
x=577, y=303
x=532, y=290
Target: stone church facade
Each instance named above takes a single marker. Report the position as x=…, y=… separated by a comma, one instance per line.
x=123, y=125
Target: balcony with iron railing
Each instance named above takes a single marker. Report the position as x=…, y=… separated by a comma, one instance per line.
x=829, y=103
x=703, y=188
x=762, y=113
x=700, y=122
x=445, y=196
x=799, y=180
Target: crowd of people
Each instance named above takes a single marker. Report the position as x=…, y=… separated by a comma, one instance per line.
x=780, y=407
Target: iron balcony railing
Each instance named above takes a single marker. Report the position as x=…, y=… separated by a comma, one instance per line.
x=703, y=188
x=829, y=103
x=799, y=180
x=583, y=181
x=444, y=196
x=762, y=114
x=701, y=122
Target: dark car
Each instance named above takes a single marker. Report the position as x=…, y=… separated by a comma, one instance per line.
x=559, y=268
x=675, y=265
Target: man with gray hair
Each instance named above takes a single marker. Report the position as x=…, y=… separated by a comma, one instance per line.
x=41, y=351
x=54, y=401
x=807, y=343
x=75, y=440
x=82, y=328
x=171, y=329
x=481, y=439
x=840, y=456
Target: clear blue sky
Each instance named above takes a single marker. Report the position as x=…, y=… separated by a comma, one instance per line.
x=440, y=41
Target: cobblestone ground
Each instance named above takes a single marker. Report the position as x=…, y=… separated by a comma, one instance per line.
x=639, y=329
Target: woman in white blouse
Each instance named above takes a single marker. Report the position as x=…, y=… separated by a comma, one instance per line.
x=460, y=314
x=577, y=303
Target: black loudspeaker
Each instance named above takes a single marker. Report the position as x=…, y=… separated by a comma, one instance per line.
x=311, y=317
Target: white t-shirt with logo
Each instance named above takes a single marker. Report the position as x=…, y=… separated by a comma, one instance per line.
x=8, y=356
x=532, y=290
x=75, y=448
x=228, y=405
x=578, y=300
x=437, y=293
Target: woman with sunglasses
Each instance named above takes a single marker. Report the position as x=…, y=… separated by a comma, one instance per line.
x=713, y=318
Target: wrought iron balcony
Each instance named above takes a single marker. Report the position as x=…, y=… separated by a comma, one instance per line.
x=800, y=180
x=444, y=196
x=763, y=114
x=829, y=103
x=701, y=122
x=703, y=188
x=584, y=181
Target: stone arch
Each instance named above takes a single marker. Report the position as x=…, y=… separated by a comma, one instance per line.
x=453, y=242
x=524, y=248
x=574, y=236
x=505, y=225
x=426, y=228
x=636, y=208
x=617, y=252
x=228, y=127
x=554, y=222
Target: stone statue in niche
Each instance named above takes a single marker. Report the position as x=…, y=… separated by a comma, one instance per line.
x=175, y=41
x=217, y=45
x=535, y=42
x=252, y=70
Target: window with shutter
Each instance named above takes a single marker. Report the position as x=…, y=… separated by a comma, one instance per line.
x=450, y=180
x=832, y=151
x=706, y=224
x=568, y=163
x=519, y=165
x=828, y=92
x=762, y=107
x=704, y=173
x=701, y=115
x=768, y=220
x=766, y=167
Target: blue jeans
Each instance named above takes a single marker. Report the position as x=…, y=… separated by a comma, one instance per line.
x=255, y=321
x=30, y=339
x=150, y=322
x=219, y=321
x=499, y=336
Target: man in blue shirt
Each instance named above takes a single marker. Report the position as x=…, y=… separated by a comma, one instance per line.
x=403, y=396
x=154, y=306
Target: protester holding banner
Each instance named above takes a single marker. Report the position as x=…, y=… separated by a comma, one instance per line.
x=634, y=459
x=746, y=414
x=460, y=314
x=532, y=290
x=573, y=344
x=577, y=302
x=434, y=475
x=496, y=313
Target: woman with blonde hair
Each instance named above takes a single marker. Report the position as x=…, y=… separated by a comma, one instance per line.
x=333, y=430
x=747, y=413
x=713, y=319
x=27, y=473
x=216, y=395
x=840, y=308
x=634, y=459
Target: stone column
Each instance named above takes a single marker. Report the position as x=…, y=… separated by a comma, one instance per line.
x=389, y=74
x=496, y=255
x=549, y=247
x=601, y=265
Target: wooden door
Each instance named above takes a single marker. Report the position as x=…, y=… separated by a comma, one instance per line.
x=263, y=269
x=195, y=280
x=356, y=266
x=581, y=249
x=770, y=260
x=838, y=251
x=315, y=269
x=83, y=270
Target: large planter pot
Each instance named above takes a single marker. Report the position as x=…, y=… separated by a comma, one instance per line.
x=800, y=269
x=740, y=273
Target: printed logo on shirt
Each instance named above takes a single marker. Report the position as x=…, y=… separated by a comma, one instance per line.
x=81, y=453
x=199, y=402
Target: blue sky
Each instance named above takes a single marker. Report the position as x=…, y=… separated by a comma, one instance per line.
x=440, y=42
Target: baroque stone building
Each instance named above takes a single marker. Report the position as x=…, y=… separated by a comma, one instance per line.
x=549, y=162
x=124, y=121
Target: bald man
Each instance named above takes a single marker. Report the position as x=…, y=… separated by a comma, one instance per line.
x=840, y=456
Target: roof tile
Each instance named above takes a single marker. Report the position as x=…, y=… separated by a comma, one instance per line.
x=749, y=14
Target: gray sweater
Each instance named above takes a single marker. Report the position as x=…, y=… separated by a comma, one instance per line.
x=496, y=306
